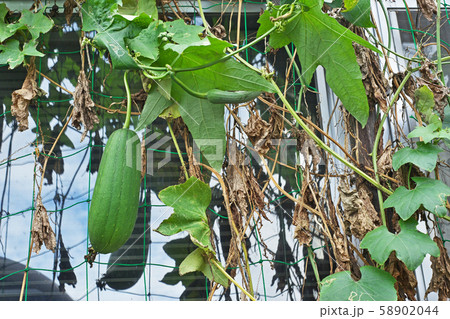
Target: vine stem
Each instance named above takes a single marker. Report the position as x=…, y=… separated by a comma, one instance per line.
x=127, y=89
x=377, y=141
x=314, y=266
x=219, y=266
x=178, y=149
x=325, y=146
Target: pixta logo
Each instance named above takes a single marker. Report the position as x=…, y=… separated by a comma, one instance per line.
x=153, y=145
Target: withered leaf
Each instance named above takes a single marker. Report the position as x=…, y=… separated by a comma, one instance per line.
x=69, y=5
x=138, y=99
x=341, y=254
x=83, y=106
x=358, y=210
x=41, y=231
x=309, y=150
x=428, y=8
x=259, y=132
x=406, y=282
x=301, y=223
x=373, y=79
x=21, y=98
x=440, y=280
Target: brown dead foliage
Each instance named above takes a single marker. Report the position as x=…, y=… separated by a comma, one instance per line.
x=259, y=133
x=373, y=79
x=309, y=150
x=359, y=211
x=69, y=5
x=41, y=231
x=138, y=99
x=406, y=283
x=301, y=222
x=428, y=8
x=219, y=31
x=341, y=252
x=21, y=98
x=440, y=281
x=83, y=106
x=410, y=86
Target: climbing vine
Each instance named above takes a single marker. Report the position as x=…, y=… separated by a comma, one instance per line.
x=193, y=78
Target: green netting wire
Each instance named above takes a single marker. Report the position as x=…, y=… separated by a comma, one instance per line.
x=91, y=145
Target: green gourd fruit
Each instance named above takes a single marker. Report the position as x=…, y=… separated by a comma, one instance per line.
x=115, y=200
x=232, y=97
x=126, y=265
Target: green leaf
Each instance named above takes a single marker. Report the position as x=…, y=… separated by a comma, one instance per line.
x=11, y=53
x=350, y=4
x=430, y=193
x=424, y=99
x=198, y=261
x=98, y=14
x=113, y=39
x=359, y=15
x=147, y=43
x=321, y=40
x=424, y=156
x=154, y=105
x=189, y=201
x=5, y=32
x=375, y=285
x=35, y=23
x=410, y=245
x=29, y=48
x=136, y=7
x=184, y=35
x=428, y=133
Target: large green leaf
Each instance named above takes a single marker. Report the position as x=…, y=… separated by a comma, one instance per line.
x=321, y=40
x=199, y=261
x=410, y=245
x=184, y=36
x=375, y=285
x=113, y=39
x=424, y=156
x=147, y=43
x=428, y=133
x=5, y=32
x=35, y=23
x=430, y=193
x=154, y=105
x=205, y=119
x=189, y=201
x=98, y=14
x=11, y=54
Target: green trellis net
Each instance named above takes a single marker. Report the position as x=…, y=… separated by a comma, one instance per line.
x=277, y=264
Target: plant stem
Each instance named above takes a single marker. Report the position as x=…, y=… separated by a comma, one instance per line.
x=219, y=266
x=202, y=15
x=247, y=266
x=314, y=266
x=302, y=82
x=186, y=88
x=178, y=149
x=377, y=141
x=324, y=146
x=438, y=42
x=127, y=89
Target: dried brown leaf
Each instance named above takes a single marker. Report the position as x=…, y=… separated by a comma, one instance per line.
x=341, y=252
x=259, y=133
x=143, y=159
x=138, y=99
x=69, y=5
x=358, y=210
x=21, y=98
x=83, y=106
x=440, y=281
x=406, y=282
x=309, y=150
x=219, y=31
x=373, y=78
x=301, y=222
x=41, y=231
x=428, y=8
